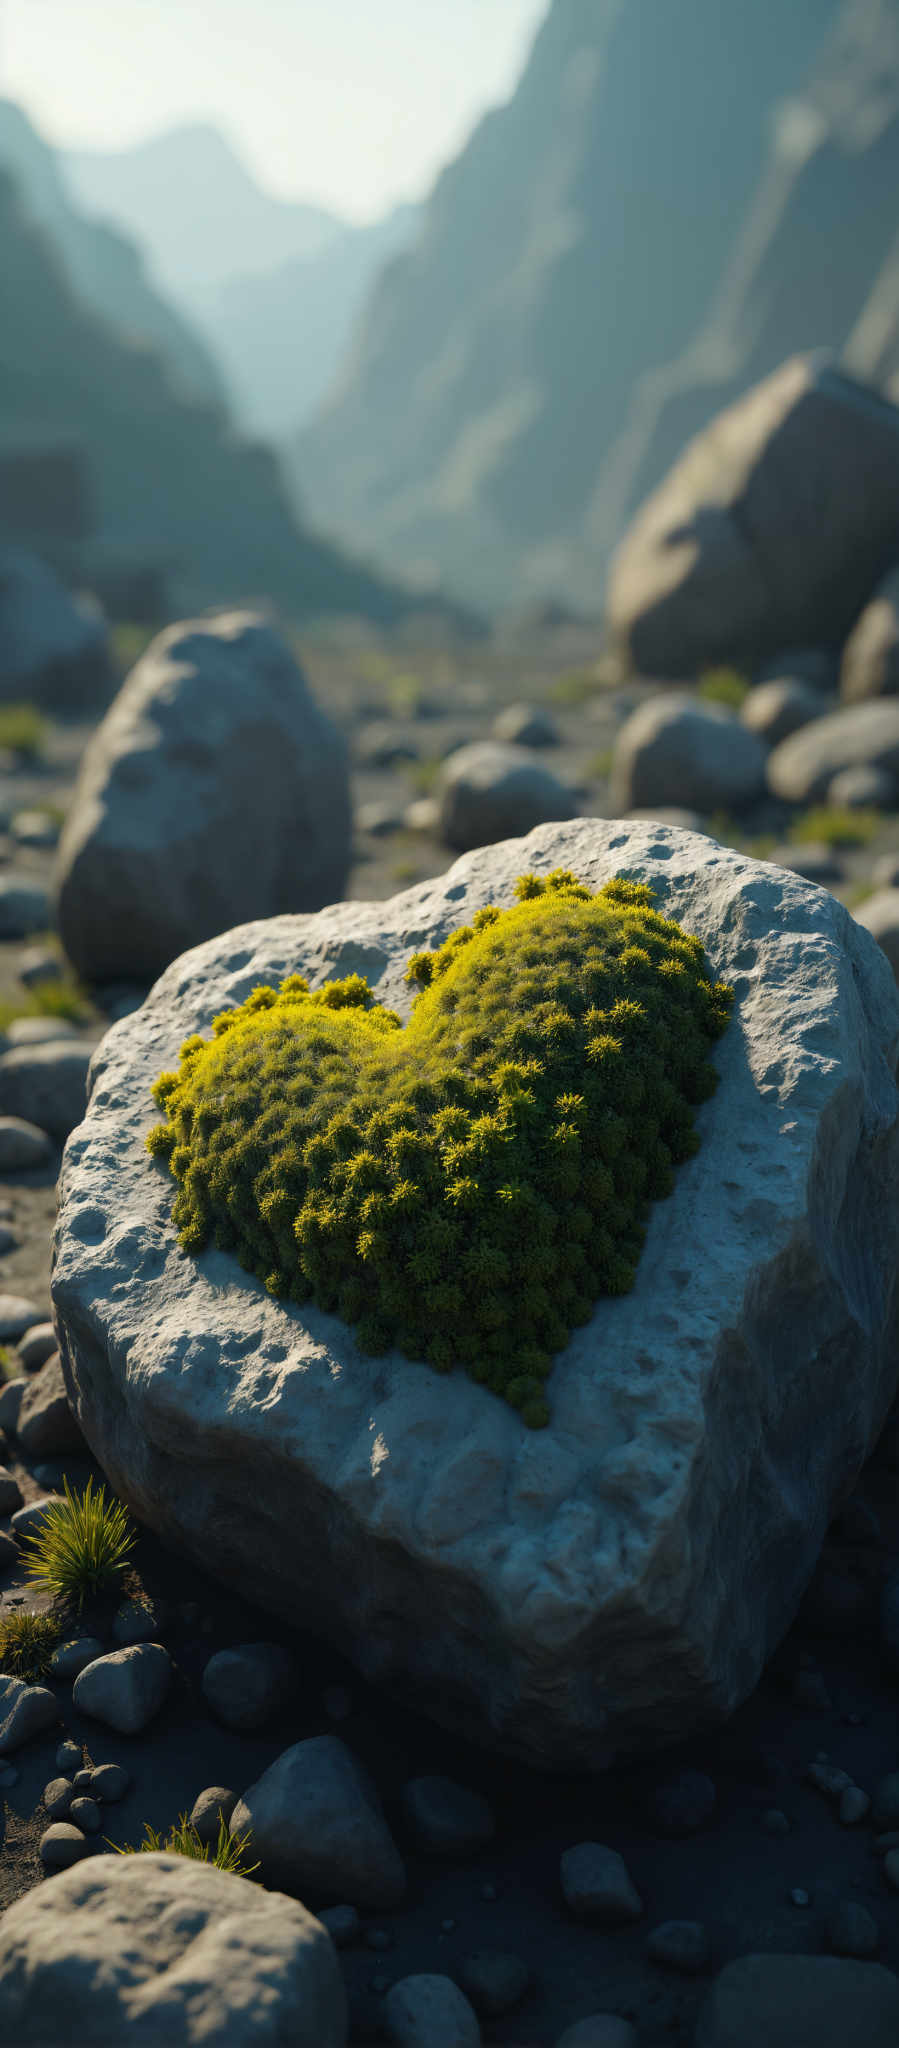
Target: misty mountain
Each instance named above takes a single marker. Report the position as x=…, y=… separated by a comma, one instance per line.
x=282, y=335
x=103, y=266
x=172, y=482
x=577, y=246
x=196, y=210
x=275, y=286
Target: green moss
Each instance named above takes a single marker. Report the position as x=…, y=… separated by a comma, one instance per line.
x=467, y=1186
x=723, y=686
x=836, y=825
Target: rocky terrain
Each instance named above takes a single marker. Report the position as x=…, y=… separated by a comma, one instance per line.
x=771, y=1837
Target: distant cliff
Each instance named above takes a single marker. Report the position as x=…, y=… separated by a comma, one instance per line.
x=169, y=478
x=103, y=266
x=492, y=421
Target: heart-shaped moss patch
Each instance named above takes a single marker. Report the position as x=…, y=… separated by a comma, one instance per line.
x=466, y=1186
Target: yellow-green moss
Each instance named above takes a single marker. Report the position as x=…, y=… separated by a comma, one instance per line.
x=467, y=1186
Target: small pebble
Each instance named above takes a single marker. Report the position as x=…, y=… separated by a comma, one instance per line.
x=109, y=1782
x=494, y=1980
x=69, y=1757
x=85, y=1813
x=58, y=1796
x=775, y=1822
x=343, y=1924
x=23, y=1145
x=62, y=1845
x=380, y=1939
x=17, y=1315
x=798, y=1896
x=681, y=1945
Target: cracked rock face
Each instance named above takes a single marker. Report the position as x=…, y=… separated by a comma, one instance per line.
x=613, y=1582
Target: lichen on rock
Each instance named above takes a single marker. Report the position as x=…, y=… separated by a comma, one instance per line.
x=467, y=1186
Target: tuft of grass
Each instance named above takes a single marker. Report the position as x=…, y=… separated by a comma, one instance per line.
x=600, y=765
x=23, y=730
x=836, y=825
x=574, y=688
x=82, y=1545
x=9, y=1369
x=723, y=686
x=27, y=1643
x=62, y=998
x=183, y=1840
x=423, y=776
x=404, y=695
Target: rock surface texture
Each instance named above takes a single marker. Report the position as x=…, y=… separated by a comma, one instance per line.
x=215, y=787
x=612, y=1582
x=771, y=531
x=160, y=1948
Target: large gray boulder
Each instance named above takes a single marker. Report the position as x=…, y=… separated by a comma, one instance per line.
x=157, y=1948
x=771, y=531
x=215, y=788
x=618, y=1579
x=870, y=666
x=803, y=767
x=675, y=750
x=54, y=648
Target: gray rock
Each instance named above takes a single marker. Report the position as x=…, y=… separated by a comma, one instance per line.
x=815, y=861
x=599, y=2030
x=772, y=529
x=34, y=828
x=58, y=1796
x=46, y=1425
x=215, y=788
x=343, y=1924
x=817, y=666
x=39, y=1030
x=46, y=1084
x=71, y=1658
x=25, y=1710
x=870, y=666
x=773, y=710
x=29, y=1520
x=885, y=871
x=489, y=791
x=209, y=1809
x=126, y=1688
x=863, y=788
x=37, y=1346
x=200, y=1955
x=68, y=1758
x=494, y=1980
x=539, y=1527
x=447, y=1819
x=85, y=1814
x=597, y=1886
x=802, y=768
x=680, y=1945
x=16, y=1316
x=10, y=1493
x=245, y=1686
x=39, y=963
x=525, y=725
x=879, y=914
x=109, y=1783
x=430, y=2012
x=61, y=1845
x=23, y=1145
x=423, y=815
x=799, y=2001
x=24, y=906
x=54, y=647
x=675, y=750
x=315, y=1823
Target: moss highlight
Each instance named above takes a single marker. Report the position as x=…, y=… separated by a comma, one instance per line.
x=464, y=1187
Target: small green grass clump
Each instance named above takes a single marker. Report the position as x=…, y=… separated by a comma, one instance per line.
x=27, y=1643
x=23, y=730
x=836, y=825
x=723, y=686
x=82, y=1545
x=183, y=1840
x=464, y=1188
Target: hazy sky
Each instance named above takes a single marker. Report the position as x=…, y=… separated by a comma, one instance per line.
x=355, y=103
